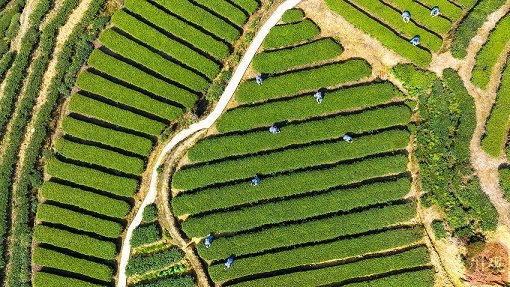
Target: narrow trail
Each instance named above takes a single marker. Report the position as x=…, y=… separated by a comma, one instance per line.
x=204, y=124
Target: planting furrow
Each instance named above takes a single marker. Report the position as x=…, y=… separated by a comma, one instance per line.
x=290, y=34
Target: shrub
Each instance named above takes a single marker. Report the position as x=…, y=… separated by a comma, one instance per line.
x=115, y=92
x=225, y=9
x=117, y=185
x=110, y=137
x=249, y=5
x=85, y=199
x=289, y=159
x=438, y=228
x=158, y=40
x=289, y=34
x=57, y=215
x=285, y=211
x=124, y=118
x=145, y=234
x=179, y=28
x=43, y=279
x=281, y=60
x=420, y=278
x=185, y=281
x=5, y=64
x=154, y=262
x=472, y=196
x=416, y=81
x=293, y=15
x=290, y=184
x=421, y=14
x=306, y=80
x=150, y=213
x=387, y=36
x=76, y=242
x=136, y=52
x=53, y=259
x=447, y=8
x=504, y=182
x=95, y=155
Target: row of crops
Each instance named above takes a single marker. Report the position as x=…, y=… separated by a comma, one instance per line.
x=153, y=64
x=320, y=199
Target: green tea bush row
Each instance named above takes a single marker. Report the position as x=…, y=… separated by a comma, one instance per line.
x=156, y=39
x=420, y=278
x=154, y=262
x=287, y=185
x=185, y=281
x=132, y=50
x=249, y=5
x=117, y=185
x=76, y=242
x=469, y=26
x=145, y=234
x=85, y=199
x=281, y=60
x=504, y=181
x=446, y=8
x=495, y=128
x=115, y=92
x=226, y=10
x=283, y=211
x=421, y=14
x=248, y=117
x=92, y=132
x=289, y=159
x=317, y=253
x=43, y=279
x=202, y=18
x=290, y=34
x=490, y=52
x=150, y=213
x=307, y=231
x=468, y=3
x=54, y=259
x=412, y=258
x=56, y=215
x=293, y=15
x=124, y=118
x=179, y=28
x=116, y=68
x=313, y=79
x=5, y=64
x=234, y=144
x=388, y=37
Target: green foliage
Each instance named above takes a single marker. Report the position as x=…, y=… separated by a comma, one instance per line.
x=53, y=259
x=289, y=159
x=150, y=212
x=234, y=144
x=247, y=117
x=158, y=40
x=115, y=92
x=99, y=156
x=225, y=9
x=179, y=28
x=154, y=262
x=85, y=199
x=202, y=18
x=124, y=118
x=416, y=81
x=290, y=184
x=56, y=215
x=76, y=242
x=5, y=63
x=420, y=278
x=163, y=273
x=469, y=26
x=249, y=5
x=110, y=137
x=281, y=60
x=117, y=185
x=317, y=253
x=185, y=281
x=145, y=234
x=293, y=15
x=151, y=248
x=446, y=8
x=439, y=230
x=136, y=52
x=388, y=37
x=285, y=211
x=421, y=14
x=218, y=86
x=490, y=52
x=289, y=34
x=43, y=279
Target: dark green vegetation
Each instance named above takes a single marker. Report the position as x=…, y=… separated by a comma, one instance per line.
x=289, y=34
x=145, y=234
x=184, y=281
x=293, y=15
x=154, y=262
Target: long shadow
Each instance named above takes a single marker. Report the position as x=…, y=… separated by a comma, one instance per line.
x=241, y=8
x=124, y=107
x=175, y=38
x=135, y=88
x=160, y=53
x=103, y=146
x=64, y=273
x=121, y=221
x=214, y=13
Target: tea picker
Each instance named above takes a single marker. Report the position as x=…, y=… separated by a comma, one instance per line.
x=406, y=16
x=318, y=96
x=415, y=41
x=347, y=138
x=259, y=80
x=229, y=262
x=274, y=130
x=255, y=181
x=208, y=241
x=434, y=12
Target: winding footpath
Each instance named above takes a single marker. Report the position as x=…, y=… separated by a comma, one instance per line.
x=204, y=124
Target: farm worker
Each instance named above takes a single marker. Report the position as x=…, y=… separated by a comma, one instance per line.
x=255, y=181
x=274, y=130
x=415, y=41
x=434, y=12
x=318, y=96
x=259, y=80
x=406, y=16
x=208, y=241
x=347, y=138
x=229, y=262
